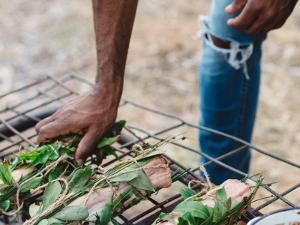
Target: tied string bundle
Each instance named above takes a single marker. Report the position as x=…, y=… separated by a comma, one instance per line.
x=60, y=183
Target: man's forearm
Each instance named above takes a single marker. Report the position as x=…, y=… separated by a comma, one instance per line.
x=113, y=20
x=94, y=113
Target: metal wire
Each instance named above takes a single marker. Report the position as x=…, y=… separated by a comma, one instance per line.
x=40, y=101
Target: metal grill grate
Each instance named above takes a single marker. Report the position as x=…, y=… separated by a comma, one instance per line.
x=27, y=105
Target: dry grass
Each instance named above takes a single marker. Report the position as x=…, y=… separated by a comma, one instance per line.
x=56, y=37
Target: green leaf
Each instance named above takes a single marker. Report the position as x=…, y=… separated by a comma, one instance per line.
x=72, y=213
x=113, y=135
x=181, y=221
x=34, y=209
x=220, y=208
x=53, y=150
x=42, y=158
x=197, y=209
x=79, y=178
x=54, y=221
x=125, y=177
x=15, y=162
x=4, y=206
x=43, y=222
x=34, y=183
x=187, y=192
x=189, y=218
x=29, y=156
x=106, y=141
x=219, y=212
x=117, y=128
x=209, y=220
x=106, y=214
x=228, y=203
x=51, y=194
x=5, y=173
x=76, y=140
x=234, y=203
x=221, y=195
x=42, y=154
x=121, y=198
x=67, y=151
x=56, y=172
x=111, y=151
x=149, y=156
x=142, y=182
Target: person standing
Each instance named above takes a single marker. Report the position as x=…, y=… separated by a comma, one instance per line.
x=229, y=81
x=230, y=75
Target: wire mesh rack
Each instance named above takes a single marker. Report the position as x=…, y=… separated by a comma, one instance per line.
x=27, y=105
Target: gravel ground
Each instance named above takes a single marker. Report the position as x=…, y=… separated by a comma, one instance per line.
x=56, y=37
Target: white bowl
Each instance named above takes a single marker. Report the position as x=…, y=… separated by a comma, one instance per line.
x=282, y=217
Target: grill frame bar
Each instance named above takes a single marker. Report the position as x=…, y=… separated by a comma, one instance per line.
x=22, y=120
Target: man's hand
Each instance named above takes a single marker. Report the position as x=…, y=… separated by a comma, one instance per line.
x=94, y=113
x=91, y=114
x=260, y=16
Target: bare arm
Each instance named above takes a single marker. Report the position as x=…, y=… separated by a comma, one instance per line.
x=95, y=112
x=113, y=20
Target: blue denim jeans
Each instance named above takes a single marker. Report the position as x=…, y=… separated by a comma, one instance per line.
x=229, y=90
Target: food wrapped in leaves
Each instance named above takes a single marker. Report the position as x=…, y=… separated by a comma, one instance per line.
x=223, y=205
x=72, y=194
x=156, y=170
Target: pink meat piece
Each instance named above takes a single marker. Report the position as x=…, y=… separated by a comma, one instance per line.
x=157, y=170
x=236, y=189
x=233, y=188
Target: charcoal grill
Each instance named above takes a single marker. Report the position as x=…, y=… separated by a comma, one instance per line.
x=27, y=105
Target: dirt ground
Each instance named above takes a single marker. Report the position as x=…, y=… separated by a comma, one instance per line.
x=56, y=38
